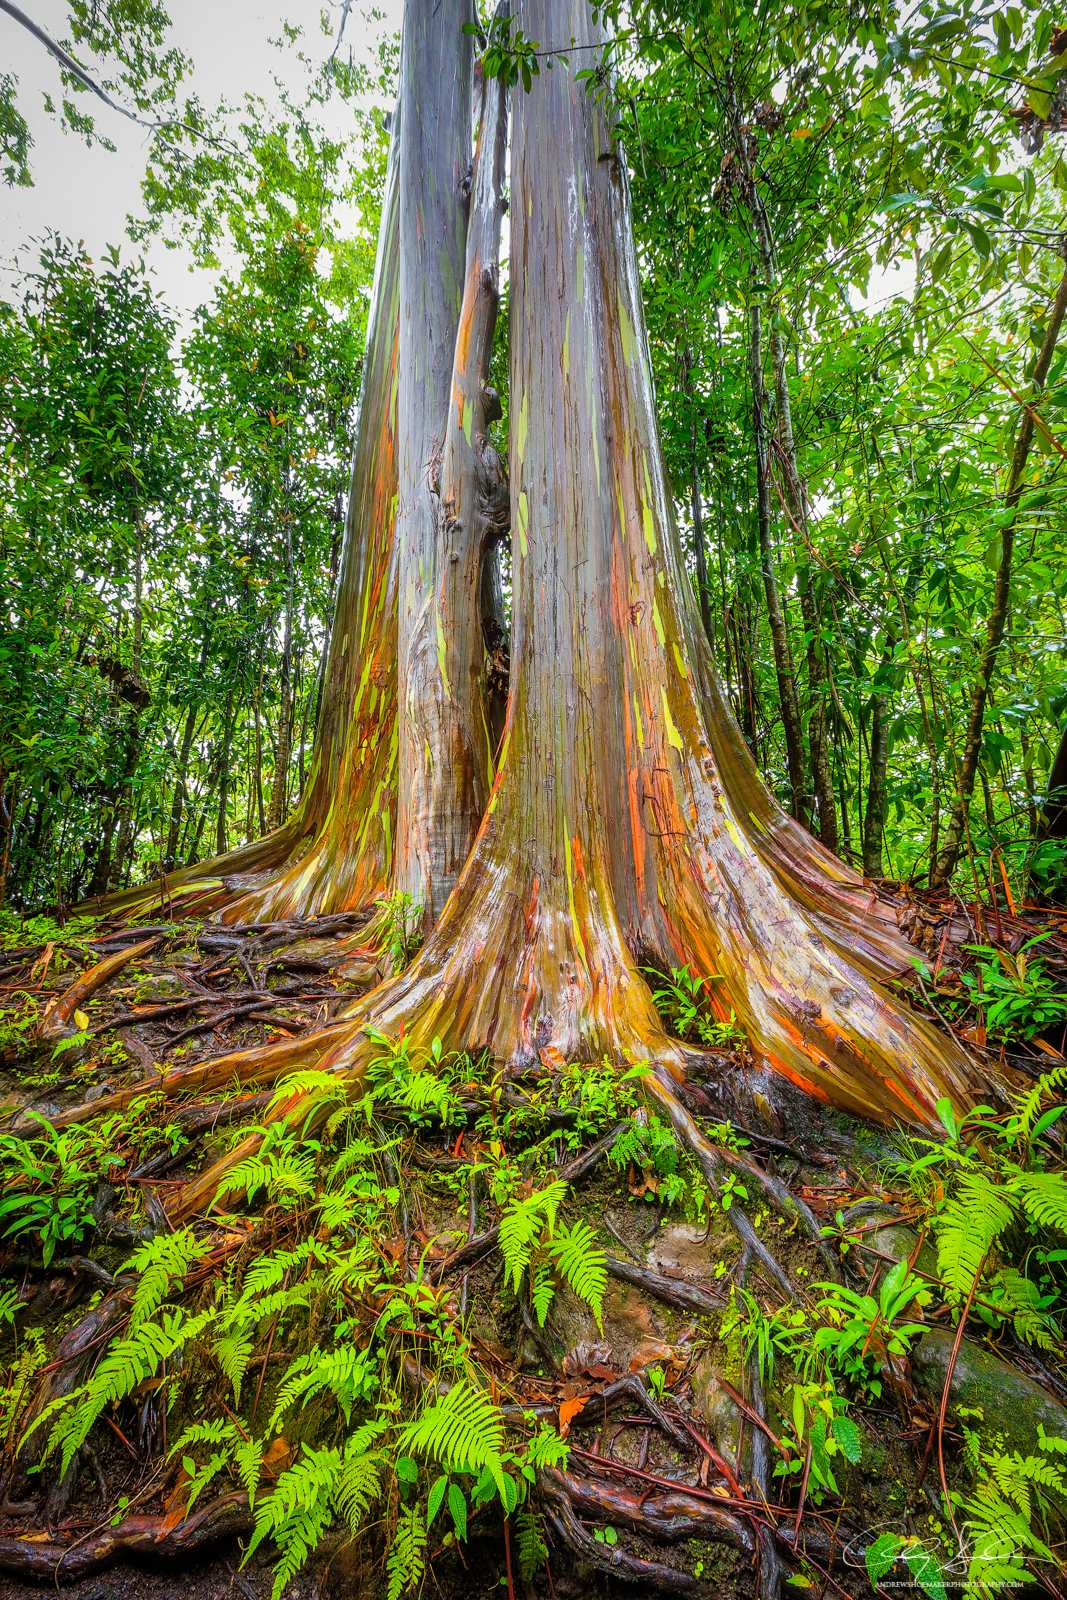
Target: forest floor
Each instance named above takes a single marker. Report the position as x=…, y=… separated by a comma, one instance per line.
x=346, y=1275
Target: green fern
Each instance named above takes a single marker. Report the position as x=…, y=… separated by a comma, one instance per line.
x=233, y=1352
x=296, y=1515
x=358, y=1489
x=1030, y=1105
x=1043, y=1196
x=406, y=1562
x=967, y=1226
x=582, y=1265
x=14, y=1398
x=347, y=1372
x=524, y=1223
x=127, y=1363
x=533, y=1552
x=464, y=1431
x=1024, y=1301
x=163, y=1261
x=542, y=1289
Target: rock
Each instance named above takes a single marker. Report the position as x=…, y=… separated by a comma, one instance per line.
x=632, y=1331
x=682, y=1250
x=721, y=1416
x=893, y=1238
x=1012, y=1404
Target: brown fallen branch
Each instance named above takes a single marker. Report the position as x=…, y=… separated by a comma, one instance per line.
x=56, y=1561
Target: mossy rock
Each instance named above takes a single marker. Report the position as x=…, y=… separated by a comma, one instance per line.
x=1012, y=1405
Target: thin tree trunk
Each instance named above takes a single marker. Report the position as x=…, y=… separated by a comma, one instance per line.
x=878, y=764
x=224, y=772
x=8, y=803
x=783, y=659
x=127, y=834
x=955, y=829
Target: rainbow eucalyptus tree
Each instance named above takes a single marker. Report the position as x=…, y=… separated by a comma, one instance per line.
x=621, y=822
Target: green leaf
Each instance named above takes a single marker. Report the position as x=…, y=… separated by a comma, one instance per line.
x=457, y=1505
x=849, y=1437
x=436, y=1495
x=881, y=1555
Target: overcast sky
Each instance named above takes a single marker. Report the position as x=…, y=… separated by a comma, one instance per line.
x=86, y=194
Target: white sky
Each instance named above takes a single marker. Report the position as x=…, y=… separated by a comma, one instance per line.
x=87, y=194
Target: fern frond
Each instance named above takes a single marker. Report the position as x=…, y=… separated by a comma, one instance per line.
x=161, y=1262
x=266, y=1274
x=1032, y=1322
x=533, y=1552
x=233, y=1352
x=358, y=1489
x=967, y=1226
x=324, y=1087
x=582, y=1264
x=406, y=1562
x=523, y=1224
x=463, y=1431
x=248, y=1459
x=1030, y=1104
x=1043, y=1196
x=542, y=1290
x=297, y=1513
x=127, y=1363
x=347, y=1372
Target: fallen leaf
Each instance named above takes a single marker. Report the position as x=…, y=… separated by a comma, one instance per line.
x=277, y=1455
x=40, y=967
x=81, y=1019
x=569, y=1409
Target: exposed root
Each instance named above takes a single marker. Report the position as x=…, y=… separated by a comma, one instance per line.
x=613, y=1559
x=149, y=1538
x=711, y=1161
x=672, y=1291
x=667, y=1518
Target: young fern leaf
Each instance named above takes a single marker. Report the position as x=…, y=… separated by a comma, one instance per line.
x=406, y=1562
x=533, y=1552
x=233, y=1352
x=582, y=1264
x=1032, y=1322
x=358, y=1489
x=542, y=1291
x=464, y=1431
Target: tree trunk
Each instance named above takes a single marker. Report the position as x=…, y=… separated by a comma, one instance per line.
x=134, y=738
x=874, y=816
x=181, y=796
x=224, y=772
x=627, y=822
x=279, y=787
x=952, y=841
x=783, y=657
